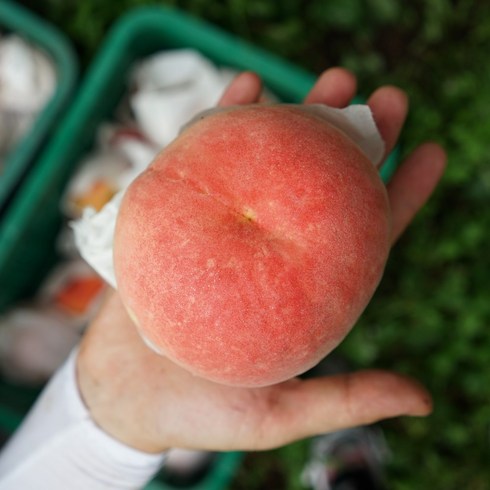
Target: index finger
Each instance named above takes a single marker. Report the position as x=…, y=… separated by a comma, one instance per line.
x=244, y=89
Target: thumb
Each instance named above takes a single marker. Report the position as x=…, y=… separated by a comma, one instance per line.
x=305, y=408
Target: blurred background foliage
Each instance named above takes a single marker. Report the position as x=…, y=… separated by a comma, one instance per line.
x=431, y=315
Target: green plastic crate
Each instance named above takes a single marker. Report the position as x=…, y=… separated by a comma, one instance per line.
x=16, y=19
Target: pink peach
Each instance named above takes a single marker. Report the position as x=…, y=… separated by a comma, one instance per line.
x=251, y=245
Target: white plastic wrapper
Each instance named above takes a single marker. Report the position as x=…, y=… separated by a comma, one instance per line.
x=36, y=338
x=94, y=236
x=34, y=342
x=27, y=82
x=172, y=87
x=75, y=290
x=94, y=231
x=122, y=155
x=27, y=76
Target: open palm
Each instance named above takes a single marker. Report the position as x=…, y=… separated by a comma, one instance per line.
x=152, y=404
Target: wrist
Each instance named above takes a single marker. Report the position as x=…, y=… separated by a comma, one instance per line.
x=112, y=406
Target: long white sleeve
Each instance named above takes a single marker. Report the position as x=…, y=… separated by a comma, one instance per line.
x=59, y=447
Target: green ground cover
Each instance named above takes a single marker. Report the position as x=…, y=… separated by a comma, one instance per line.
x=431, y=316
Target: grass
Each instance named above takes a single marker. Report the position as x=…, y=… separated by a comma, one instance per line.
x=431, y=316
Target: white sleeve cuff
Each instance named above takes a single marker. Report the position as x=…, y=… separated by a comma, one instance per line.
x=59, y=446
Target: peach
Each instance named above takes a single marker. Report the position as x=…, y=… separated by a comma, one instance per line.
x=250, y=246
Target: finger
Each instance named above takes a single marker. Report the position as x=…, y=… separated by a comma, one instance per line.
x=335, y=87
x=333, y=403
x=389, y=106
x=244, y=89
x=413, y=183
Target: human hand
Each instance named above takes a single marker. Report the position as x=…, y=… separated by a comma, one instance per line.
x=150, y=403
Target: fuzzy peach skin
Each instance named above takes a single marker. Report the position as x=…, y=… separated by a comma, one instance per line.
x=250, y=246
